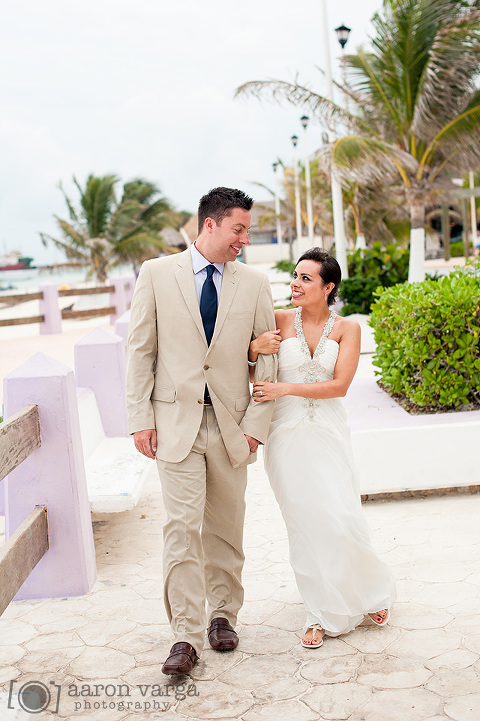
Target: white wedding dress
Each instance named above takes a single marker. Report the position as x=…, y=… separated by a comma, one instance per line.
x=309, y=461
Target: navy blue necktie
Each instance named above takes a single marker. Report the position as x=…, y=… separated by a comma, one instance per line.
x=209, y=304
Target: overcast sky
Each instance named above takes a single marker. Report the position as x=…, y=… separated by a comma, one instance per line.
x=145, y=88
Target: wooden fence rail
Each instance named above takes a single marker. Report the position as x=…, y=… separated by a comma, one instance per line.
x=121, y=300
x=87, y=291
x=19, y=437
x=52, y=476
x=22, y=321
x=20, y=298
x=91, y=313
x=21, y=553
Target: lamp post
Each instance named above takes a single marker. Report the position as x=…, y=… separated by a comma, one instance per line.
x=473, y=211
x=342, y=36
x=337, y=200
x=308, y=182
x=298, y=216
x=277, y=214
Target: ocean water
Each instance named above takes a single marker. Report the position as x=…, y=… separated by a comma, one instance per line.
x=29, y=280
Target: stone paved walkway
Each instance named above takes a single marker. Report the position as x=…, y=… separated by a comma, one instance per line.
x=424, y=666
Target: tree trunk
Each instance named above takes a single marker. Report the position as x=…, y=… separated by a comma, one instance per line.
x=446, y=231
x=359, y=232
x=360, y=242
x=465, y=233
x=416, y=270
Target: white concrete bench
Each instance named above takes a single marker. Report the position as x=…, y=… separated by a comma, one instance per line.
x=114, y=469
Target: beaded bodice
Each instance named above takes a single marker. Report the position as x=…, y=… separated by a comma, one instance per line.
x=312, y=369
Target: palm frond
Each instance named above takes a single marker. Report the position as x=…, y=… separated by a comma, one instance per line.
x=140, y=190
x=98, y=201
x=368, y=77
x=460, y=138
x=264, y=187
x=71, y=252
x=72, y=235
x=71, y=210
x=139, y=244
x=449, y=77
x=280, y=91
x=368, y=160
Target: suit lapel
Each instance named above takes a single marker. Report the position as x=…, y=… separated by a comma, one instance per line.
x=184, y=276
x=229, y=288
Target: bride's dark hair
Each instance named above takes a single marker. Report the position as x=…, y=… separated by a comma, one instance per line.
x=329, y=269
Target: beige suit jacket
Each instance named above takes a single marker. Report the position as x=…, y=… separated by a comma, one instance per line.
x=169, y=361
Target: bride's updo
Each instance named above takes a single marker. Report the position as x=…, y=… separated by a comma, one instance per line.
x=329, y=269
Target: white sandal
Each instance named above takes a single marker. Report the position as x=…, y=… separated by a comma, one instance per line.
x=315, y=627
x=380, y=623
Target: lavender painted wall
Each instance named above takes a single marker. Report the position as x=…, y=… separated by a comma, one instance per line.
x=119, y=297
x=100, y=365
x=50, y=309
x=121, y=325
x=54, y=476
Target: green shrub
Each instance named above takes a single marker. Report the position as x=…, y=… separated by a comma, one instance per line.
x=369, y=269
x=285, y=265
x=457, y=249
x=427, y=336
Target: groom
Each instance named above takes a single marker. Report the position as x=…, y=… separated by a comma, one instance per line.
x=192, y=319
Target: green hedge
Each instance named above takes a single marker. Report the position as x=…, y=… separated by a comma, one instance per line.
x=427, y=336
x=369, y=269
x=457, y=250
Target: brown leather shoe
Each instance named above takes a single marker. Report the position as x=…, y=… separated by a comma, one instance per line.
x=182, y=659
x=221, y=635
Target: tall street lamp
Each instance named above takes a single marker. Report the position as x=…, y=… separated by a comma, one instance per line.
x=277, y=214
x=308, y=182
x=337, y=200
x=342, y=36
x=298, y=215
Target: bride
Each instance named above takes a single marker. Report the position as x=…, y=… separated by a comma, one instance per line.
x=309, y=461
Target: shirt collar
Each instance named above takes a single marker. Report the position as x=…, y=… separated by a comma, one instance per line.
x=199, y=262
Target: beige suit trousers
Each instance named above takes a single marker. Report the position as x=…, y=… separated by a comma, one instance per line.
x=204, y=499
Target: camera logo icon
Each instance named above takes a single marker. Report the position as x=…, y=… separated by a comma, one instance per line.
x=35, y=696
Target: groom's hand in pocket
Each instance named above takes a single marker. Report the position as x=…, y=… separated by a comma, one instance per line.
x=252, y=443
x=146, y=442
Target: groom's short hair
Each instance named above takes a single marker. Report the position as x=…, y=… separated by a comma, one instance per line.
x=219, y=202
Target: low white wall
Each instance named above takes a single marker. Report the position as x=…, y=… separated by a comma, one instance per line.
x=265, y=253
x=272, y=252
x=421, y=457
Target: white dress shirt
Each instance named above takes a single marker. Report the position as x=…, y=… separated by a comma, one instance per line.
x=199, y=265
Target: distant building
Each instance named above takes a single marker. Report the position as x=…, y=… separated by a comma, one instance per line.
x=259, y=235
x=174, y=238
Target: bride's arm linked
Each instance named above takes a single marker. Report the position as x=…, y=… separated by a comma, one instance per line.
x=265, y=344
x=345, y=368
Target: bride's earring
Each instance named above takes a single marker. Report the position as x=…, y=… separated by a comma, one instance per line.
x=326, y=296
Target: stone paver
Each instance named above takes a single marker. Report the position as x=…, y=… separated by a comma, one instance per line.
x=423, y=666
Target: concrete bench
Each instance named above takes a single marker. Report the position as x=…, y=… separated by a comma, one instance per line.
x=114, y=469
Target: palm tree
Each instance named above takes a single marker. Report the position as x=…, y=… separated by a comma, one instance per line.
x=375, y=212
x=321, y=202
x=104, y=232
x=371, y=210
x=417, y=105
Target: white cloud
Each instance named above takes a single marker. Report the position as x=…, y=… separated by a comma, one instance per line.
x=145, y=88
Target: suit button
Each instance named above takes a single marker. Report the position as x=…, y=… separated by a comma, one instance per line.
x=200, y=401
x=205, y=368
